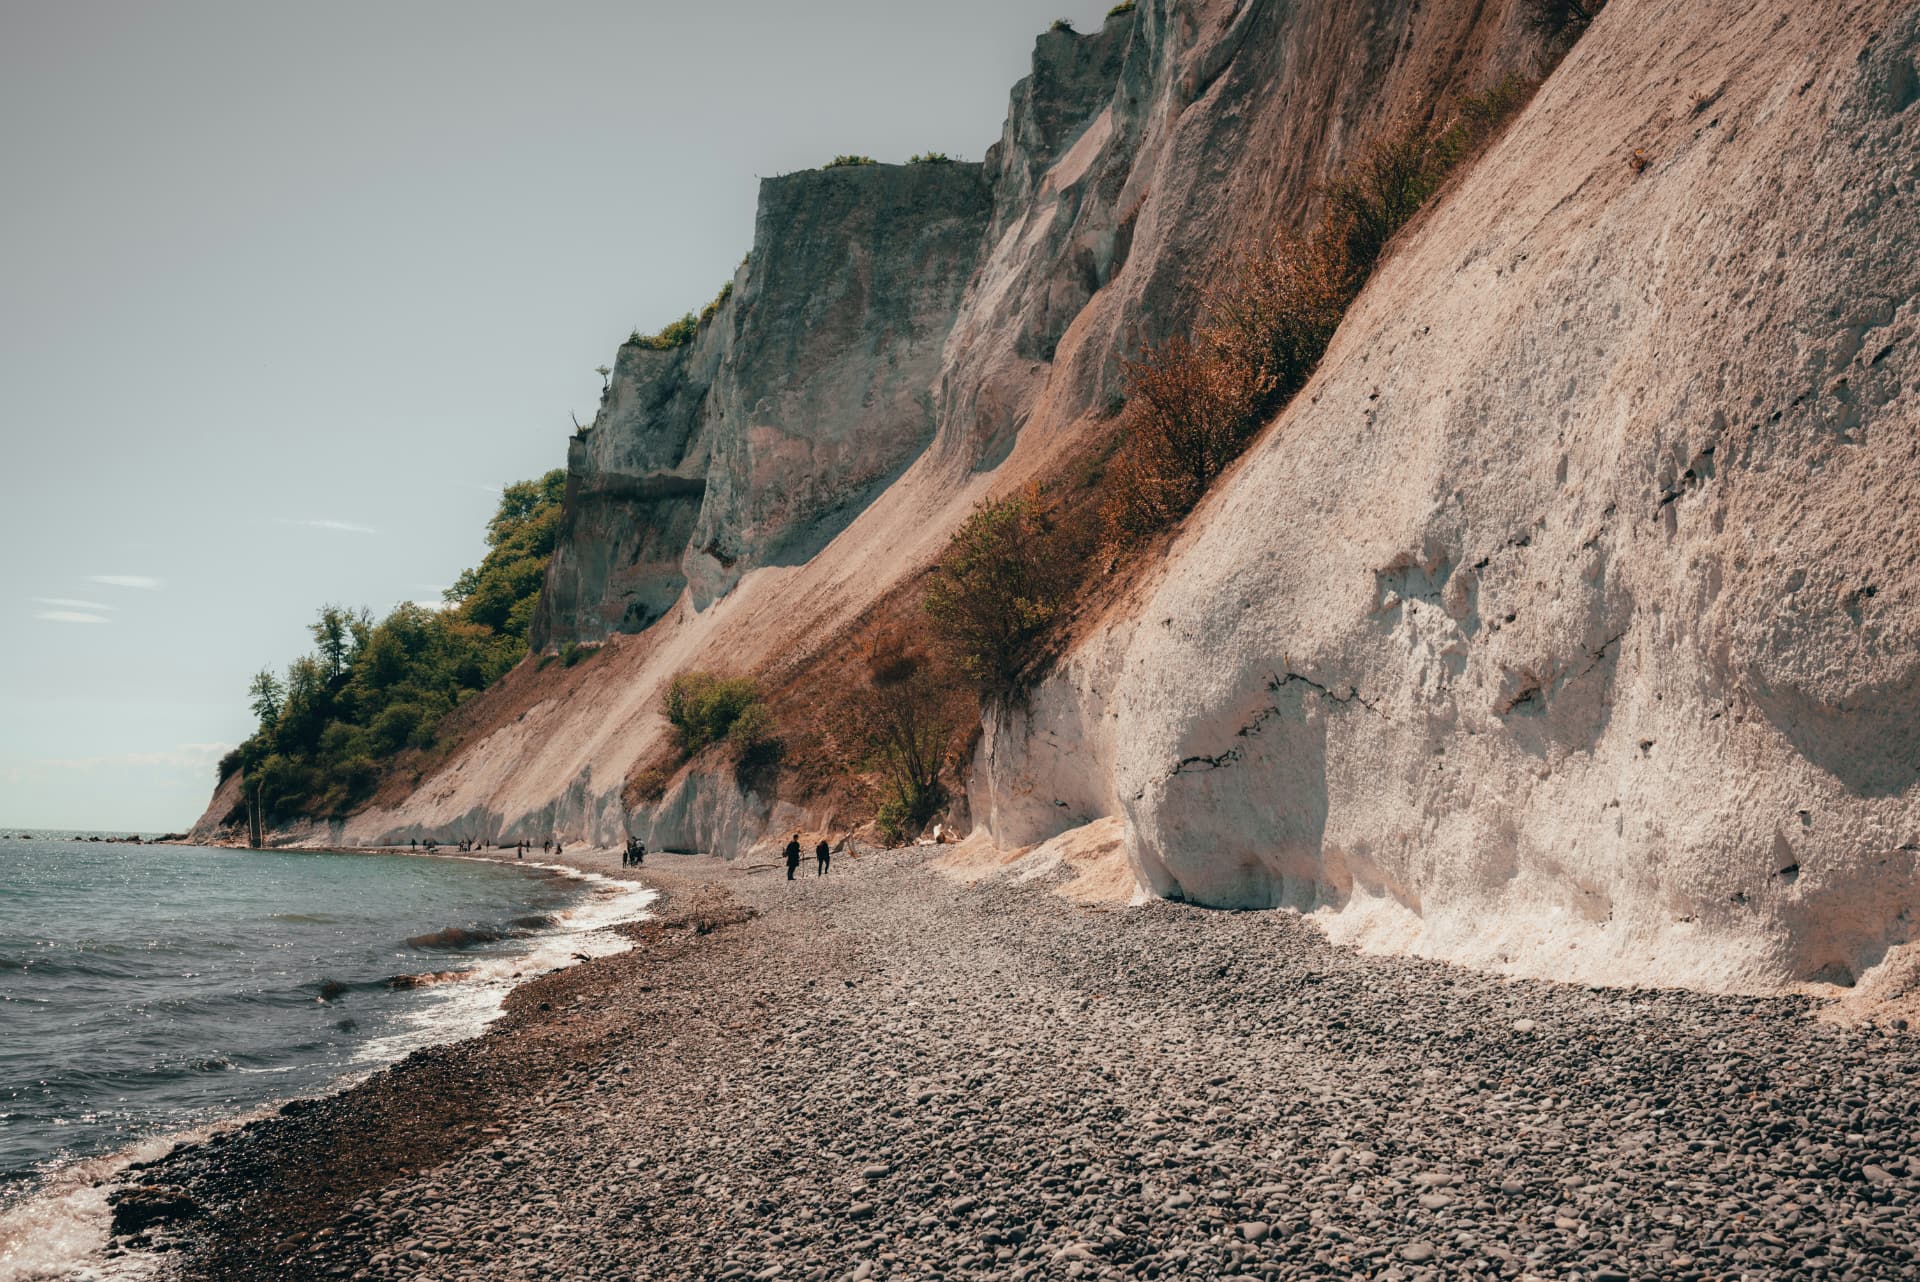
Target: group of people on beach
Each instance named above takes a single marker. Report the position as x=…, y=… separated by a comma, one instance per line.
x=822, y=856
x=468, y=845
x=636, y=852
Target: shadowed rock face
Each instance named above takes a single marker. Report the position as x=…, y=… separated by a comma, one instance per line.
x=807, y=393
x=635, y=480
x=856, y=275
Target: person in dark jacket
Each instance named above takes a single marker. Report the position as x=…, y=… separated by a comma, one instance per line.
x=822, y=856
x=793, y=856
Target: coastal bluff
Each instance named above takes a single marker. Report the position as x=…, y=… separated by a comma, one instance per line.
x=1567, y=623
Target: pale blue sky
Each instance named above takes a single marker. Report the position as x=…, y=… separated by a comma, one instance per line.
x=286, y=291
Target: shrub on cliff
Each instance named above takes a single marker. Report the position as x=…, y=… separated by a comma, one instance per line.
x=930, y=158
x=909, y=713
x=677, y=334
x=997, y=589
x=843, y=162
x=1388, y=183
x=712, y=309
x=704, y=708
x=1128, y=7
x=1275, y=310
x=1189, y=410
x=1061, y=24
x=1560, y=19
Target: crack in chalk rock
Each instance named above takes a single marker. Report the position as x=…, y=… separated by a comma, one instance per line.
x=1252, y=728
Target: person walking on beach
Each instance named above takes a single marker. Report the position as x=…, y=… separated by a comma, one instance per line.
x=822, y=856
x=793, y=856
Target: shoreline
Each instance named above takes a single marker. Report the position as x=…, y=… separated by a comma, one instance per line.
x=60, y=1225
x=884, y=1075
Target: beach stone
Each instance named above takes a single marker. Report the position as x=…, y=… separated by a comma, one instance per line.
x=144, y=1206
x=1417, y=1252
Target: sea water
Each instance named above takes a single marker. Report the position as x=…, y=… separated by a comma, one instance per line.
x=146, y=991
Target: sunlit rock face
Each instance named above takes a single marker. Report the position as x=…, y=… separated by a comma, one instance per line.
x=1570, y=621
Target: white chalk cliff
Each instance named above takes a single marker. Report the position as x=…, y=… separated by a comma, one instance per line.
x=1567, y=623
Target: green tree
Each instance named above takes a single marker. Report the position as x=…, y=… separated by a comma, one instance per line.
x=997, y=590
x=704, y=708
x=373, y=689
x=265, y=695
x=909, y=713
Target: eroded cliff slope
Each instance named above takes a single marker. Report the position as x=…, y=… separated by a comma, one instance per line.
x=1565, y=623
x=1568, y=622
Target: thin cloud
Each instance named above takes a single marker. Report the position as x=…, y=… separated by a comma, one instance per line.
x=68, y=603
x=323, y=523
x=186, y=756
x=70, y=616
x=435, y=606
x=145, y=582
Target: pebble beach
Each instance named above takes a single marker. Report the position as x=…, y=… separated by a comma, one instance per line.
x=887, y=1074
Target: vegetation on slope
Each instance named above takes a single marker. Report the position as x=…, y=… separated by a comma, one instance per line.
x=1193, y=404
x=987, y=620
x=369, y=691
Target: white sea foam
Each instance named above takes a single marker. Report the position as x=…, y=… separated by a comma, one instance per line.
x=60, y=1231
x=461, y=1009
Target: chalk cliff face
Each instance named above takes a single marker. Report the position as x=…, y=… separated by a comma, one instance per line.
x=807, y=393
x=1566, y=622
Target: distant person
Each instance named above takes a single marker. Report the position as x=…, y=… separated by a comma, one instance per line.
x=793, y=856
x=414, y=842
x=639, y=851
x=822, y=856
x=520, y=850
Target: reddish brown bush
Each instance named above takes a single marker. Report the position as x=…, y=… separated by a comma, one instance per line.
x=1190, y=408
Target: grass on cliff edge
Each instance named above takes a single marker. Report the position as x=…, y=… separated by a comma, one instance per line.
x=684, y=330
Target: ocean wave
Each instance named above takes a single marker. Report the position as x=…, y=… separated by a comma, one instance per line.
x=332, y=990
x=427, y=979
x=455, y=937
x=63, y=964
